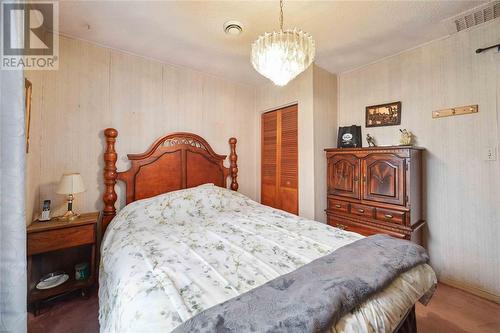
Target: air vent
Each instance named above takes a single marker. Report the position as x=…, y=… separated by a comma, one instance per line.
x=474, y=17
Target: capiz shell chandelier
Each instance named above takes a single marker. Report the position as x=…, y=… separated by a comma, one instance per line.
x=281, y=56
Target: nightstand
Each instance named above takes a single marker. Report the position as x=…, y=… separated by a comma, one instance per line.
x=59, y=246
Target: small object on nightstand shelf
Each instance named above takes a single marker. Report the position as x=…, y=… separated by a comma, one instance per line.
x=57, y=246
x=52, y=280
x=70, y=184
x=82, y=271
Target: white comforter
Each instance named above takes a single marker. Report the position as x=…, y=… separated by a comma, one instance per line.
x=167, y=258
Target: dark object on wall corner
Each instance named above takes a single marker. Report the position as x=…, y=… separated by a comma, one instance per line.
x=488, y=48
x=388, y=114
x=349, y=137
x=28, y=88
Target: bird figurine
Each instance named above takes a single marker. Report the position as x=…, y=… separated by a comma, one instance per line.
x=370, y=140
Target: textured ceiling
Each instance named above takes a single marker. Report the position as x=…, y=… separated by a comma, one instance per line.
x=348, y=34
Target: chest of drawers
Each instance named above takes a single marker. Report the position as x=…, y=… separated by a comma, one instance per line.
x=376, y=190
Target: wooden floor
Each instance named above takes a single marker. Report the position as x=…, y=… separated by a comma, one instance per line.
x=450, y=311
x=455, y=311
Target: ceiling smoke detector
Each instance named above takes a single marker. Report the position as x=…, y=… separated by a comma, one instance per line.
x=233, y=28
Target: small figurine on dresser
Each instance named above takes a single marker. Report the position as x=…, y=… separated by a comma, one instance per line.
x=371, y=141
x=406, y=137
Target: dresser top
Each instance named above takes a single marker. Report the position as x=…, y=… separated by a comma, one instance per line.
x=379, y=148
x=87, y=218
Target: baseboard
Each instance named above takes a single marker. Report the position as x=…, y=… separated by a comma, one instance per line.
x=471, y=289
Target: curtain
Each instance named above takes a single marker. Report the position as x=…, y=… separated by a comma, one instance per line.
x=12, y=210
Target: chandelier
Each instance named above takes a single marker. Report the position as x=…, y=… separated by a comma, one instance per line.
x=281, y=56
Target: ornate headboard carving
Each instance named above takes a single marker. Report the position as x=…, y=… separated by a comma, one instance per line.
x=173, y=162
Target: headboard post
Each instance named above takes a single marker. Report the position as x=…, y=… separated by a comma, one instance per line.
x=110, y=176
x=233, y=167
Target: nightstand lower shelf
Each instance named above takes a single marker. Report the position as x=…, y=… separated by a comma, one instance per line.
x=37, y=295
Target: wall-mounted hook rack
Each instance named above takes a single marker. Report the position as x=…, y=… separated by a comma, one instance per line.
x=455, y=111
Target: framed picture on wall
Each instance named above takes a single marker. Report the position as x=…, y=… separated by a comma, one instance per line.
x=388, y=114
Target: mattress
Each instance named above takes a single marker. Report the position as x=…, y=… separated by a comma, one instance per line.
x=167, y=258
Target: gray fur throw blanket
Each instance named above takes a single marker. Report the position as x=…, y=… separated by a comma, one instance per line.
x=315, y=296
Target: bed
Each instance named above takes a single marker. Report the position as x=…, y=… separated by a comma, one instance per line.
x=185, y=243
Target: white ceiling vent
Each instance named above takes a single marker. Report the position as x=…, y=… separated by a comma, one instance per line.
x=474, y=17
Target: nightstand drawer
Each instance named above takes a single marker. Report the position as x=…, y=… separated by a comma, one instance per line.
x=51, y=240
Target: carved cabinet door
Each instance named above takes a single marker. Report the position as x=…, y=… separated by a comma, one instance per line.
x=384, y=178
x=343, y=175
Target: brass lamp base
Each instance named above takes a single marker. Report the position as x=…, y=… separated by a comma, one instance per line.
x=68, y=216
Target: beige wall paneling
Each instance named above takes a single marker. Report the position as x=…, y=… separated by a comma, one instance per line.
x=462, y=201
x=33, y=157
x=325, y=128
x=96, y=87
x=74, y=99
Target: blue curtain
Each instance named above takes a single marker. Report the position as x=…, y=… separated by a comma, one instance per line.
x=12, y=210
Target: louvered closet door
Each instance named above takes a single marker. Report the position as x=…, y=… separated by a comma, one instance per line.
x=288, y=172
x=269, y=178
x=280, y=159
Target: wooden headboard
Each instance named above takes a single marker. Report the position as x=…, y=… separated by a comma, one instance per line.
x=173, y=162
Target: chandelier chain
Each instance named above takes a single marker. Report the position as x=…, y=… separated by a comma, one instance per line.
x=281, y=15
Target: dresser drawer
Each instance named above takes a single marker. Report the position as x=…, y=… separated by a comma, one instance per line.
x=361, y=228
x=337, y=205
x=388, y=215
x=39, y=242
x=362, y=210
x=349, y=226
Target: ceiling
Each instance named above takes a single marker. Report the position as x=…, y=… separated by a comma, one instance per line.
x=348, y=34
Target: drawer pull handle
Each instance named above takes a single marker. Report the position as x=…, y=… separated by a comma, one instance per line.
x=388, y=216
x=338, y=206
x=340, y=226
x=361, y=210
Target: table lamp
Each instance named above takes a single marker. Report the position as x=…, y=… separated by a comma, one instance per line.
x=70, y=184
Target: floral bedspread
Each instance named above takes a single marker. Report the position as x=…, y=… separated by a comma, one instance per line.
x=167, y=258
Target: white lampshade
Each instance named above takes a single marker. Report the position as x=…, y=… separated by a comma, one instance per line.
x=71, y=183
